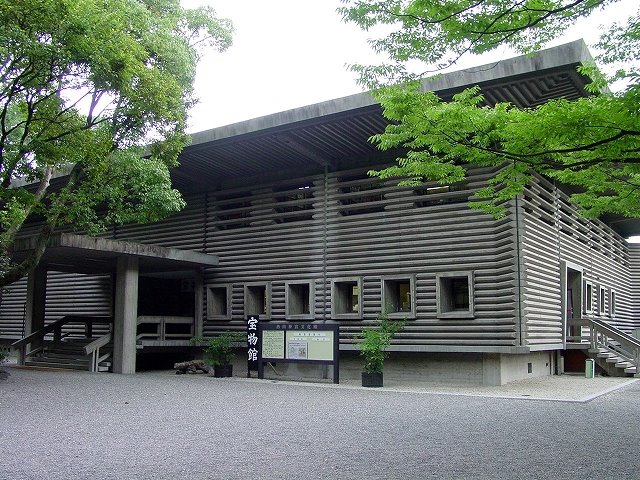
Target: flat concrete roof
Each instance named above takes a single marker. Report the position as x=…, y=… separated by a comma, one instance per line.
x=573, y=53
x=69, y=252
x=336, y=133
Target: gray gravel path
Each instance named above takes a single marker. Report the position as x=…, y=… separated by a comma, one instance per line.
x=75, y=425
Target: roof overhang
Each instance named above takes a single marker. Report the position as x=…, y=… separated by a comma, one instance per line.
x=82, y=254
x=338, y=131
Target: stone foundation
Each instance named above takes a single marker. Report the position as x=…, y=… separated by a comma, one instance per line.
x=488, y=369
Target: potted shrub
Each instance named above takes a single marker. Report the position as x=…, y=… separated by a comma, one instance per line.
x=375, y=341
x=219, y=353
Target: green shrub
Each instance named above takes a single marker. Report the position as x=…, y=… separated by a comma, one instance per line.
x=375, y=341
x=219, y=350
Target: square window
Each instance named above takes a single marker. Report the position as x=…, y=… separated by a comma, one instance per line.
x=601, y=301
x=588, y=297
x=612, y=304
x=299, y=300
x=398, y=296
x=346, y=298
x=257, y=300
x=219, y=302
x=454, y=295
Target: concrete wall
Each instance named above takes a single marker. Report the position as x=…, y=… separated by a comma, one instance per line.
x=404, y=368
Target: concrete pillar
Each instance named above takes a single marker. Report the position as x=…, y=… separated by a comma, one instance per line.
x=125, y=316
x=35, y=303
x=199, y=310
x=491, y=369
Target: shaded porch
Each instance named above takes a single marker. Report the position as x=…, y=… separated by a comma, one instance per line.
x=143, y=277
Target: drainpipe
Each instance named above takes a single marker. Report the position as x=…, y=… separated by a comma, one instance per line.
x=324, y=242
x=519, y=275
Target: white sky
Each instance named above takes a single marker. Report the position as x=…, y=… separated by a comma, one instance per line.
x=285, y=54
x=291, y=53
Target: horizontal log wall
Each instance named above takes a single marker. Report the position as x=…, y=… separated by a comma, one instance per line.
x=12, y=303
x=184, y=230
x=634, y=262
x=349, y=226
x=67, y=294
x=91, y=295
x=367, y=230
x=552, y=231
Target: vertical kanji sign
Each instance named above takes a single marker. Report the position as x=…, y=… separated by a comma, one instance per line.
x=253, y=344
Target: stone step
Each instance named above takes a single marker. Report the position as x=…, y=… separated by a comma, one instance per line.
x=615, y=359
x=60, y=359
x=66, y=351
x=70, y=363
x=53, y=364
x=624, y=364
x=605, y=355
x=632, y=370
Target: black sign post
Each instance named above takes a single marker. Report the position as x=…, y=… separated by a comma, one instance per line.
x=253, y=343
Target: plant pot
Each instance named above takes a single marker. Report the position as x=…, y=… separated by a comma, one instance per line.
x=221, y=371
x=372, y=379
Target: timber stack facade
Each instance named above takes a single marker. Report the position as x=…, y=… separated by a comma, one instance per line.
x=303, y=233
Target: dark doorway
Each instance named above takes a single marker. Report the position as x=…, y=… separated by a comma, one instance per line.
x=573, y=301
x=166, y=297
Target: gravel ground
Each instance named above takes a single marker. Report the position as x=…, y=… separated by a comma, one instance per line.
x=76, y=425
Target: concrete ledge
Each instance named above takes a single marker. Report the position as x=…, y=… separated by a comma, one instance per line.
x=84, y=254
x=573, y=53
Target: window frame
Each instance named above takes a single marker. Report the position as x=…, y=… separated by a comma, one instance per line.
x=334, y=297
x=612, y=302
x=287, y=304
x=267, y=300
x=588, y=297
x=440, y=300
x=602, y=295
x=412, y=292
x=227, y=298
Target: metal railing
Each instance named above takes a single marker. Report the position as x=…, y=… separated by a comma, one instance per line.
x=160, y=330
x=37, y=338
x=604, y=336
x=93, y=349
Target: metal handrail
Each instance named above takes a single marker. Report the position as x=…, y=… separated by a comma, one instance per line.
x=615, y=333
x=98, y=343
x=21, y=344
x=94, y=347
x=39, y=333
x=628, y=347
x=56, y=328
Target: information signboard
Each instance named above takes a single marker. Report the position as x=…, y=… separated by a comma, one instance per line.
x=273, y=344
x=299, y=342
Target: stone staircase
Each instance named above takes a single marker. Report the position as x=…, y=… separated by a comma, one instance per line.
x=616, y=364
x=69, y=354
x=67, y=350
x=615, y=351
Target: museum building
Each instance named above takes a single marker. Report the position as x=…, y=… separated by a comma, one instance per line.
x=282, y=221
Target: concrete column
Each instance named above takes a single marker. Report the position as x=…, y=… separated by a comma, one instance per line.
x=125, y=316
x=199, y=310
x=35, y=303
x=491, y=369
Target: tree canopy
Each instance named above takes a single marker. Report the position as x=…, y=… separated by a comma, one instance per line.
x=591, y=144
x=93, y=97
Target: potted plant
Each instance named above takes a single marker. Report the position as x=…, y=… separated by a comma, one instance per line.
x=219, y=353
x=373, y=348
